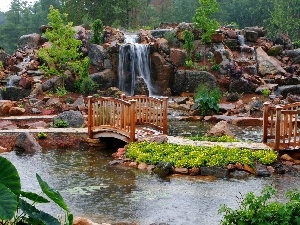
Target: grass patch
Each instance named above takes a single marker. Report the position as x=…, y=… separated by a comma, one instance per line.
x=224, y=138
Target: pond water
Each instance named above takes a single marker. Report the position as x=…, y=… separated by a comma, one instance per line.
x=112, y=194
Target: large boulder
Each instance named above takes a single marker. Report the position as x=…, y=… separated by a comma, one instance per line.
x=161, y=72
x=25, y=141
x=266, y=64
x=189, y=80
x=105, y=79
x=220, y=129
x=15, y=93
x=74, y=118
x=30, y=41
x=178, y=56
x=99, y=57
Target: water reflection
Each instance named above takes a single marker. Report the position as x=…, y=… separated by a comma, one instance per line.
x=110, y=194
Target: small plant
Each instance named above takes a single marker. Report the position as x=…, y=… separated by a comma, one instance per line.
x=61, y=91
x=258, y=210
x=16, y=210
x=215, y=67
x=61, y=124
x=265, y=92
x=207, y=99
x=203, y=68
x=188, y=44
x=189, y=63
x=97, y=28
x=1, y=65
x=198, y=56
x=42, y=135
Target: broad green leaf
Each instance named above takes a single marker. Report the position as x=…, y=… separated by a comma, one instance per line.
x=8, y=203
x=36, y=214
x=70, y=219
x=9, y=176
x=34, y=197
x=53, y=194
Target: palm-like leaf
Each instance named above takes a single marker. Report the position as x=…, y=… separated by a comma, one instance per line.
x=34, y=197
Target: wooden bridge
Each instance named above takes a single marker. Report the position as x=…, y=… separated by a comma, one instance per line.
x=122, y=117
x=281, y=126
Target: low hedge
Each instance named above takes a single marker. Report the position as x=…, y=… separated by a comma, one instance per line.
x=187, y=156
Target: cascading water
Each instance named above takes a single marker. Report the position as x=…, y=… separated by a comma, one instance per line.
x=134, y=62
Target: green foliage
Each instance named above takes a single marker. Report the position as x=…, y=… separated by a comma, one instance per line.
x=207, y=99
x=42, y=135
x=84, y=84
x=64, y=47
x=189, y=63
x=13, y=207
x=97, y=28
x=1, y=65
x=61, y=91
x=260, y=210
x=215, y=66
x=195, y=156
x=61, y=124
x=266, y=92
x=188, y=38
x=204, y=18
x=223, y=138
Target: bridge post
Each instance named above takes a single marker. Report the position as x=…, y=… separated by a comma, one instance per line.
x=90, y=116
x=277, y=127
x=165, y=115
x=265, y=121
x=132, y=119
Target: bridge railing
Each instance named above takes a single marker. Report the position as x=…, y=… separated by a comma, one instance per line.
x=113, y=114
x=281, y=125
x=151, y=111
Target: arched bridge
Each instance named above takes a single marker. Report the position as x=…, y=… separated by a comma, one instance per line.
x=123, y=117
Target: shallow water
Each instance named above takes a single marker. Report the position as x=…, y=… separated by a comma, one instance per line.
x=104, y=193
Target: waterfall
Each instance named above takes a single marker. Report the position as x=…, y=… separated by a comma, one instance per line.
x=134, y=63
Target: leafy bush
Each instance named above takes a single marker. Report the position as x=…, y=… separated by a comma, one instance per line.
x=207, y=99
x=215, y=67
x=61, y=124
x=14, y=209
x=196, y=156
x=42, y=135
x=61, y=91
x=188, y=44
x=64, y=47
x=189, y=63
x=224, y=138
x=266, y=92
x=97, y=28
x=259, y=210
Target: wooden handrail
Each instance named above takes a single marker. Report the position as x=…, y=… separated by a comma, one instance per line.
x=280, y=128
x=122, y=115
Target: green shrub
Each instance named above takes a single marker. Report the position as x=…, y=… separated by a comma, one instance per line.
x=188, y=44
x=61, y=124
x=15, y=210
x=189, y=63
x=61, y=91
x=259, y=210
x=42, y=135
x=196, y=156
x=207, y=99
x=97, y=28
x=266, y=92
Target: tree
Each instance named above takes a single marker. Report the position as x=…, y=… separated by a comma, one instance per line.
x=204, y=18
x=64, y=47
x=285, y=18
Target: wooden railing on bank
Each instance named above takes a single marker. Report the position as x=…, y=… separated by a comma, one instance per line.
x=281, y=126
x=115, y=117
